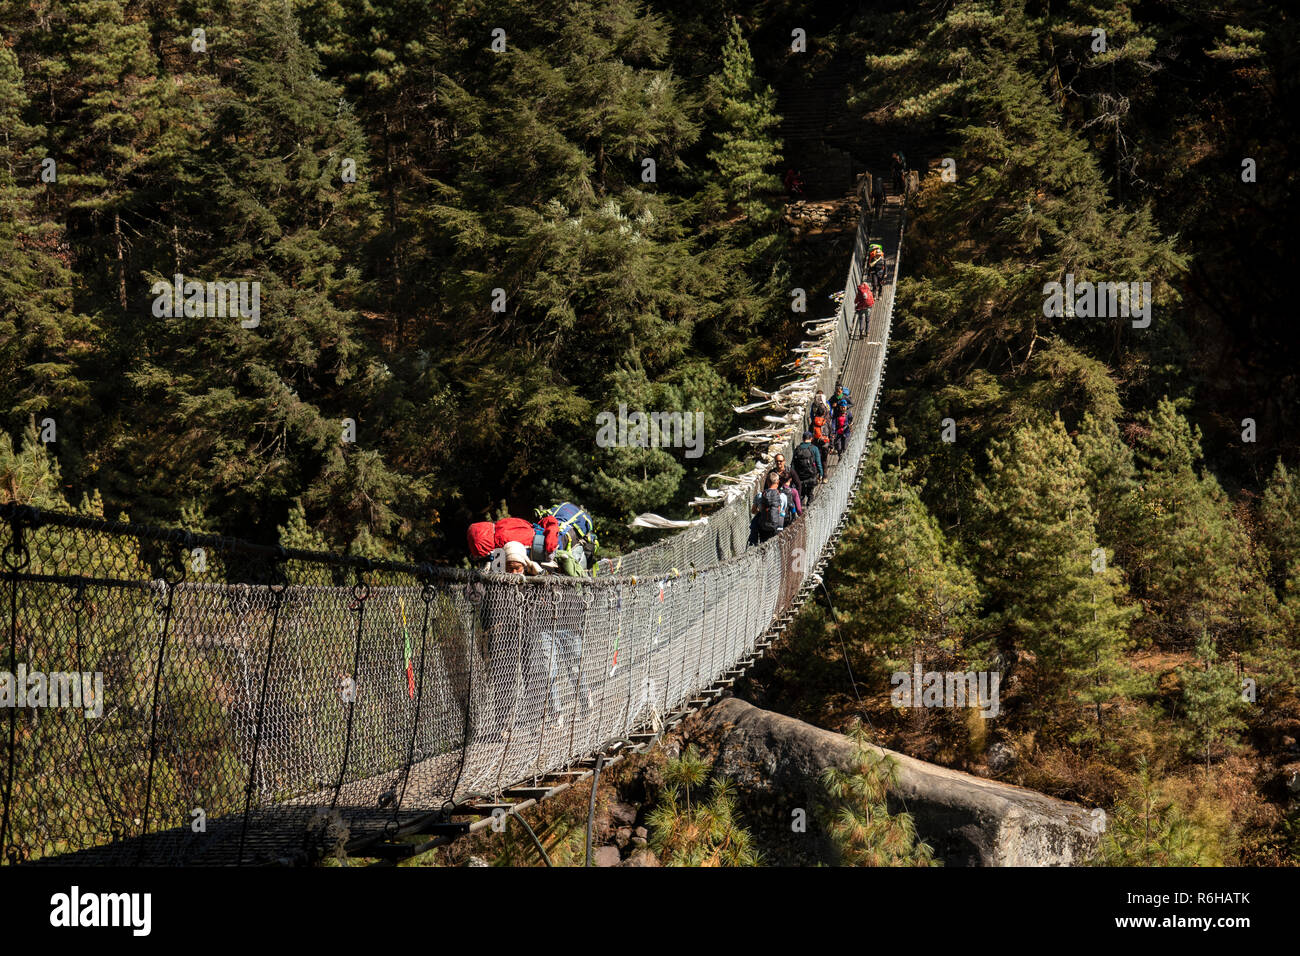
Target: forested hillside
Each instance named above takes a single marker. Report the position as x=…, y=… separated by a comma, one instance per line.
x=1101, y=510
x=477, y=225
x=457, y=250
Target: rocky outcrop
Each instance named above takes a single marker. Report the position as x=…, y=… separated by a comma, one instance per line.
x=813, y=220
x=969, y=821
x=642, y=858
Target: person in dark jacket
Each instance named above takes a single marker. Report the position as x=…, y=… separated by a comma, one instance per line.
x=808, y=465
x=770, y=505
x=841, y=427
x=900, y=171
x=818, y=407
x=794, y=507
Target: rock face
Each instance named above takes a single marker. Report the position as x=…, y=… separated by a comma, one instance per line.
x=968, y=821
x=642, y=858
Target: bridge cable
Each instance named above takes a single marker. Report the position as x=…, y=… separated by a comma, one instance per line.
x=426, y=595
x=78, y=609
x=536, y=842
x=21, y=557
x=844, y=650
x=591, y=807
x=157, y=690
x=277, y=602
x=360, y=592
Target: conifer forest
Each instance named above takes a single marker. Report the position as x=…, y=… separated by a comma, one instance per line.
x=451, y=238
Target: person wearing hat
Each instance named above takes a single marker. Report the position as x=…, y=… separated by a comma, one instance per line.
x=818, y=406
x=809, y=467
x=513, y=559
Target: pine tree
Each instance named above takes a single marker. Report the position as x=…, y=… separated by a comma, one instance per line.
x=609, y=296
x=685, y=771
x=1111, y=475
x=1029, y=206
x=710, y=833
x=1212, y=701
x=1148, y=828
x=862, y=830
x=902, y=592
x=1049, y=593
x=1029, y=195
x=1279, y=512
x=1191, y=556
x=42, y=337
x=297, y=533
x=744, y=111
x=121, y=132
x=30, y=475
x=249, y=415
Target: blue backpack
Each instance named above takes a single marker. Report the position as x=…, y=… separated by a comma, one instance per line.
x=576, y=526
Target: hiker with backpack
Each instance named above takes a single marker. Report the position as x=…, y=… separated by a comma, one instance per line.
x=841, y=427
x=877, y=195
x=562, y=540
x=900, y=171
x=769, y=506
x=841, y=396
x=876, y=266
x=862, y=306
x=565, y=539
x=488, y=541
x=512, y=558
x=794, y=505
x=818, y=406
x=809, y=467
x=821, y=431
x=783, y=471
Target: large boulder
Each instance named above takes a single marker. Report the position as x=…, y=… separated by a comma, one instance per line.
x=605, y=856
x=969, y=821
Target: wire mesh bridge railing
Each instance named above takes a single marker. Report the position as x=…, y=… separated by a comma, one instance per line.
x=178, y=698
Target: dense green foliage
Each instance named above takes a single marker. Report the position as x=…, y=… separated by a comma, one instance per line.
x=862, y=830
x=463, y=256
x=706, y=832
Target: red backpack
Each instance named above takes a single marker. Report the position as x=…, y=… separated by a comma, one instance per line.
x=482, y=539
x=865, y=299
x=819, y=428
x=514, y=529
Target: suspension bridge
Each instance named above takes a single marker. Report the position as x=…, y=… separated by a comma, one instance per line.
x=254, y=704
